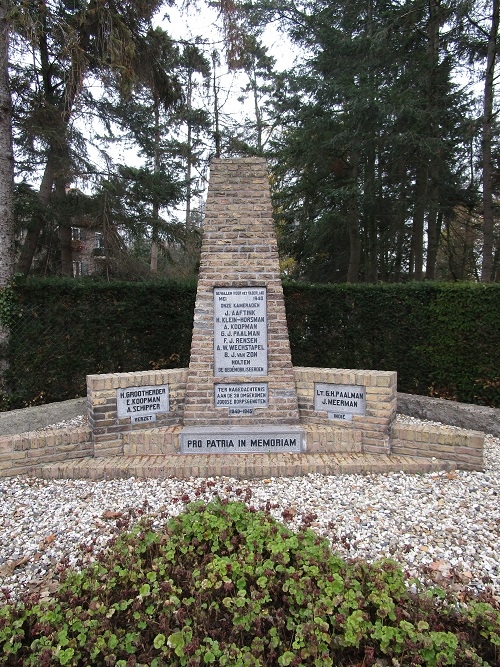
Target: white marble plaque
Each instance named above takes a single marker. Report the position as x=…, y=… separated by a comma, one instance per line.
x=340, y=401
x=240, y=440
x=240, y=331
x=242, y=396
x=142, y=404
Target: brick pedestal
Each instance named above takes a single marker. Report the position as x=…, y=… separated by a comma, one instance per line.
x=239, y=251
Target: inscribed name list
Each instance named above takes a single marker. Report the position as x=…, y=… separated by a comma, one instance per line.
x=142, y=404
x=341, y=401
x=240, y=331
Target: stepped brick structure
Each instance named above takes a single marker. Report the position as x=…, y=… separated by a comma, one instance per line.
x=240, y=409
x=239, y=250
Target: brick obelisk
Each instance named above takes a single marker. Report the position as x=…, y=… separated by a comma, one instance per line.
x=240, y=373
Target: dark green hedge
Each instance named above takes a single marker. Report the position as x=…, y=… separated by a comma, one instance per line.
x=443, y=339
x=67, y=329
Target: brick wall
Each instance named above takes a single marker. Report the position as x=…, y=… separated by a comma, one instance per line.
x=103, y=418
x=374, y=427
x=19, y=454
x=464, y=448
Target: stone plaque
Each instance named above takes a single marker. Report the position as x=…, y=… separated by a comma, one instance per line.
x=240, y=331
x=142, y=404
x=240, y=439
x=241, y=399
x=341, y=401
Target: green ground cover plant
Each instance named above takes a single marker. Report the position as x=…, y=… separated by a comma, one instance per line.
x=223, y=584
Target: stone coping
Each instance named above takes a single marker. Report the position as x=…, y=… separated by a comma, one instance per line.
x=464, y=415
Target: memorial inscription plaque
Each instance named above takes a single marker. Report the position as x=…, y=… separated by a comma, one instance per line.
x=241, y=398
x=341, y=401
x=241, y=440
x=240, y=331
x=142, y=404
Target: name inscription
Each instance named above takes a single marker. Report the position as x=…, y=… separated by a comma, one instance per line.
x=240, y=331
x=142, y=404
x=341, y=401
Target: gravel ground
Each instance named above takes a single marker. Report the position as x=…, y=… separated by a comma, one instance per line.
x=442, y=527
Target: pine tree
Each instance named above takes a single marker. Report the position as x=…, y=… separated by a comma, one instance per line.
x=6, y=155
x=70, y=42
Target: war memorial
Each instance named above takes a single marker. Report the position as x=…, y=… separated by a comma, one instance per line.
x=241, y=408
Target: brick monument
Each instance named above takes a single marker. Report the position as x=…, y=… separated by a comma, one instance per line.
x=241, y=409
x=240, y=392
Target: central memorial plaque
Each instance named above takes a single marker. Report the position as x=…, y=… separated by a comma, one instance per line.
x=241, y=440
x=240, y=331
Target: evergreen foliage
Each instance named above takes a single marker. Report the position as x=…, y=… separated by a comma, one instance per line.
x=442, y=339
x=374, y=139
x=66, y=329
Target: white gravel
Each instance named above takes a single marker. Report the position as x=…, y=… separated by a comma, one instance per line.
x=441, y=526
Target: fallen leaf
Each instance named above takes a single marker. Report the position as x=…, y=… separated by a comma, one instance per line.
x=440, y=566
x=21, y=561
x=7, y=568
x=109, y=514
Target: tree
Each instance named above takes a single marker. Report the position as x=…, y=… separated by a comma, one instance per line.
x=487, y=272
x=372, y=136
x=157, y=60
x=70, y=41
x=6, y=155
x=255, y=131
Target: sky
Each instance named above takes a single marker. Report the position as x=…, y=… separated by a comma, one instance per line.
x=204, y=22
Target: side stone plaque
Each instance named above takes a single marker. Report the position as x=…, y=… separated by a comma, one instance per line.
x=142, y=404
x=341, y=401
x=241, y=440
x=240, y=331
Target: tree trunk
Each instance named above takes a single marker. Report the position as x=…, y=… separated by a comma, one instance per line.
x=153, y=264
x=353, y=226
x=486, y=139
x=258, y=113
x=64, y=232
x=417, y=240
x=370, y=219
x=189, y=101
x=6, y=155
x=217, y=134
x=434, y=223
x=36, y=226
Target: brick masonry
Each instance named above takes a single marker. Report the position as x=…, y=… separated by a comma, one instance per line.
x=463, y=448
x=21, y=454
x=374, y=428
x=113, y=436
x=239, y=249
x=332, y=448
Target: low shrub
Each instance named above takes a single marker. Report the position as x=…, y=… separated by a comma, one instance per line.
x=222, y=584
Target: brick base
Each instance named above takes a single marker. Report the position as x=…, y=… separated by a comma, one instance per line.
x=371, y=443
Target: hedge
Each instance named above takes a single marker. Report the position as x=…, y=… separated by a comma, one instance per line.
x=66, y=329
x=443, y=339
